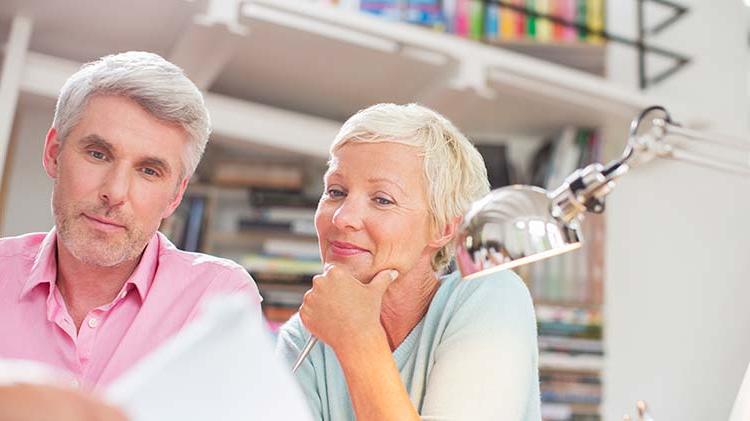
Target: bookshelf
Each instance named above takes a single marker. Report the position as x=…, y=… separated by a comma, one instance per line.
x=287, y=81
x=506, y=24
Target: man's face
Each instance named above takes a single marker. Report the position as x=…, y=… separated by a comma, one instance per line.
x=117, y=175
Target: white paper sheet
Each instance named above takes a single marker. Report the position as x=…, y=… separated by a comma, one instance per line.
x=741, y=409
x=219, y=368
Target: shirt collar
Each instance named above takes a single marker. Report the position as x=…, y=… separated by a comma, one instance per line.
x=145, y=272
x=44, y=269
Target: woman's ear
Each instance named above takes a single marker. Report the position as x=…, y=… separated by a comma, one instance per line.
x=447, y=234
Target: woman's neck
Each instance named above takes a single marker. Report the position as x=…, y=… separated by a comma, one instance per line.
x=405, y=303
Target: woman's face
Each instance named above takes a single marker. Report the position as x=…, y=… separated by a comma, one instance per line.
x=374, y=213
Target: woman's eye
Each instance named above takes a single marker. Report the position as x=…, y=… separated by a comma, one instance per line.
x=383, y=201
x=334, y=193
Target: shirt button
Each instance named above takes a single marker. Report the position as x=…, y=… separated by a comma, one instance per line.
x=92, y=323
x=75, y=383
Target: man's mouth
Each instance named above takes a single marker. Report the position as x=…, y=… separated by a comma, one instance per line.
x=102, y=223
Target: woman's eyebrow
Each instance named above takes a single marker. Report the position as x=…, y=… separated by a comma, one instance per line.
x=394, y=182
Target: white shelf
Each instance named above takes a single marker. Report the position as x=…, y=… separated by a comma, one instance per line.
x=284, y=73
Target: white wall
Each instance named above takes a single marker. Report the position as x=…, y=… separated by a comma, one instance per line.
x=27, y=207
x=678, y=326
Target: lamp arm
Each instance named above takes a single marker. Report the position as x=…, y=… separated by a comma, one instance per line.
x=585, y=189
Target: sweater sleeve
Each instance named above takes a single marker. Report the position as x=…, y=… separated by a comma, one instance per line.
x=485, y=366
x=292, y=338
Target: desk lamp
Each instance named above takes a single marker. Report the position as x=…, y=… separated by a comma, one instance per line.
x=516, y=225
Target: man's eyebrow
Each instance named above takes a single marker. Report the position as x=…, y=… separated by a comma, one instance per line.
x=96, y=140
x=153, y=161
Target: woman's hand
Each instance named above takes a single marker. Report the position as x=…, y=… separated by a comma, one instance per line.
x=339, y=309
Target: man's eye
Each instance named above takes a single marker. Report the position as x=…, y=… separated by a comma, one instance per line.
x=97, y=155
x=150, y=171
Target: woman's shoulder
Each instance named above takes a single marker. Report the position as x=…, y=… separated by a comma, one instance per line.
x=293, y=332
x=494, y=299
x=492, y=288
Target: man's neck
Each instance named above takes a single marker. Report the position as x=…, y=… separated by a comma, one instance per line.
x=85, y=287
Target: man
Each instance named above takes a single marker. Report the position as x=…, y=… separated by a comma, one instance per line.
x=103, y=288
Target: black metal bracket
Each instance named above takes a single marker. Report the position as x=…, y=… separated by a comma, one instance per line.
x=680, y=60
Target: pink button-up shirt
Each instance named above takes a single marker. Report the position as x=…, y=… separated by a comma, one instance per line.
x=163, y=294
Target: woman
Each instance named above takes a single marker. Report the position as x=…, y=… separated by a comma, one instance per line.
x=399, y=341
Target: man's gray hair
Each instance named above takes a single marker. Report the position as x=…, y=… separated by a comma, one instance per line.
x=453, y=168
x=157, y=85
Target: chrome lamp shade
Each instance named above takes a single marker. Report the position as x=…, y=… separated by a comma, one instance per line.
x=510, y=227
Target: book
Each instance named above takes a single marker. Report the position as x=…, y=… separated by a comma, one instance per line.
x=509, y=23
x=254, y=262
x=491, y=22
x=264, y=198
x=194, y=227
x=496, y=161
x=476, y=19
x=595, y=20
x=543, y=24
x=530, y=19
x=275, y=176
x=299, y=249
x=424, y=12
x=462, y=16
x=287, y=295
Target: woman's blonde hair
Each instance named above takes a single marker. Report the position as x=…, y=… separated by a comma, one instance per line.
x=454, y=170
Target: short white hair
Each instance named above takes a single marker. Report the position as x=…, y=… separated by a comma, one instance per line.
x=454, y=170
x=157, y=85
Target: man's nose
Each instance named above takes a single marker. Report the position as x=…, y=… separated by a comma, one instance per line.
x=115, y=187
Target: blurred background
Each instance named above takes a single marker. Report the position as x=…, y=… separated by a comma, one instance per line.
x=655, y=305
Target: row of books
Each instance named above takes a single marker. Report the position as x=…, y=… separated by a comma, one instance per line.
x=575, y=277
x=490, y=20
x=571, y=359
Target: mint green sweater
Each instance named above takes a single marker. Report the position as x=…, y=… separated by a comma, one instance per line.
x=472, y=357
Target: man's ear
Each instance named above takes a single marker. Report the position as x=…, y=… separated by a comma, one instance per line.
x=52, y=148
x=447, y=234
x=177, y=199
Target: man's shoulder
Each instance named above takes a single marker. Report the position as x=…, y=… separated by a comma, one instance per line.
x=201, y=266
x=198, y=261
x=21, y=246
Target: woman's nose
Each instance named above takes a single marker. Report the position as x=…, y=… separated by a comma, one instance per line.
x=348, y=215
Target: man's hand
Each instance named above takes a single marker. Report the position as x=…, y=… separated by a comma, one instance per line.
x=26, y=402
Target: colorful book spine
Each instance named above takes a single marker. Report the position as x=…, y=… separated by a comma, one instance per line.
x=388, y=9
x=595, y=20
x=492, y=22
x=462, y=18
x=476, y=20
x=581, y=18
x=424, y=12
x=449, y=15
x=531, y=19
x=509, y=23
x=565, y=10
x=543, y=25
